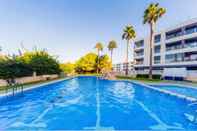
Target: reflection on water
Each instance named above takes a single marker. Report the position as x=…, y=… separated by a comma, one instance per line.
x=121, y=92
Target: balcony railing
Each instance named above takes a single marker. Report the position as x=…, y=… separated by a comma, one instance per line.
x=190, y=31
x=174, y=47
x=174, y=35
x=157, y=61
x=139, y=62
x=182, y=46
x=186, y=32
x=138, y=54
x=190, y=45
x=184, y=59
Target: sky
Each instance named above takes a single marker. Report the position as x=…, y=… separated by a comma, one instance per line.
x=69, y=29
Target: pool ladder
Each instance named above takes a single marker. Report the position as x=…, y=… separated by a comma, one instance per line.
x=16, y=87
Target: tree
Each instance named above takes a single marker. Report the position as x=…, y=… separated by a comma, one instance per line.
x=67, y=68
x=89, y=63
x=86, y=64
x=99, y=47
x=41, y=62
x=151, y=16
x=105, y=63
x=111, y=46
x=128, y=34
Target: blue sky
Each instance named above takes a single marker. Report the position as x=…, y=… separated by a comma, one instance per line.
x=70, y=28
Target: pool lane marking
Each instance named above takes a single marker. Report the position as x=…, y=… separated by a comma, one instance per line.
x=98, y=113
x=156, y=118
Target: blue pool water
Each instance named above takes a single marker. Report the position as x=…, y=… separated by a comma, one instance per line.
x=84, y=103
x=187, y=91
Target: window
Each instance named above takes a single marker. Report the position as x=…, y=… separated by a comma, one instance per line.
x=157, y=38
x=170, y=58
x=157, y=49
x=157, y=59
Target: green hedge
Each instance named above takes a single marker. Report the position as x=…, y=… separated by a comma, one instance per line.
x=145, y=76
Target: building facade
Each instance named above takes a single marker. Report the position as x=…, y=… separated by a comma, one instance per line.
x=175, y=47
x=120, y=68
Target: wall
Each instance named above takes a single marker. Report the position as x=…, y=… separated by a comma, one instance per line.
x=192, y=76
x=30, y=79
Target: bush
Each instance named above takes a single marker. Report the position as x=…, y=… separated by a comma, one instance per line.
x=11, y=68
x=41, y=62
x=24, y=65
x=146, y=76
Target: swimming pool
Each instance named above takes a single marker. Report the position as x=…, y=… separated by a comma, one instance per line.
x=183, y=90
x=89, y=103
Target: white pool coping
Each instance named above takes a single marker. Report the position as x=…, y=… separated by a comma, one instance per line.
x=10, y=93
x=174, y=84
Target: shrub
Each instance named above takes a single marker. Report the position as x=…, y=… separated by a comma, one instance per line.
x=11, y=68
x=25, y=64
x=145, y=76
x=41, y=62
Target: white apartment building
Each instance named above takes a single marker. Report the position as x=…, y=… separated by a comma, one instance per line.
x=120, y=68
x=175, y=47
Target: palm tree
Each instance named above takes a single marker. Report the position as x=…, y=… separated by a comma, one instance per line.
x=99, y=47
x=111, y=46
x=151, y=16
x=128, y=34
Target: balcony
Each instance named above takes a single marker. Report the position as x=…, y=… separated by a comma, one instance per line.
x=191, y=30
x=190, y=45
x=157, y=38
x=139, y=62
x=181, y=57
x=139, y=44
x=139, y=54
x=174, y=46
x=157, y=49
x=173, y=34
